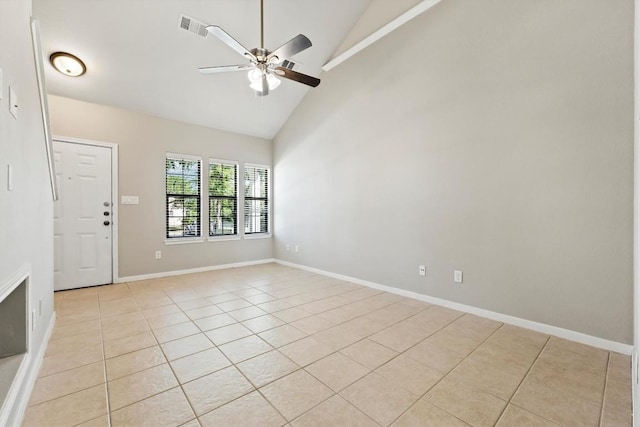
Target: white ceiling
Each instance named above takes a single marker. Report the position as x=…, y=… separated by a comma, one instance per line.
x=138, y=59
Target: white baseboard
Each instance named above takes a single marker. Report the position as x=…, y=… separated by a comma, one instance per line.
x=191, y=271
x=516, y=321
x=26, y=379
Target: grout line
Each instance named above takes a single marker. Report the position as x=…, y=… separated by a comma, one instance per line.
x=309, y=335
x=423, y=395
x=267, y=400
x=331, y=397
x=232, y=364
x=338, y=291
x=276, y=349
x=102, y=360
x=310, y=291
x=604, y=391
x=524, y=378
x=180, y=384
x=370, y=370
x=133, y=351
x=104, y=363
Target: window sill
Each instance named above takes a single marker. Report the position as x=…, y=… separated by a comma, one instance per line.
x=257, y=236
x=222, y=238
x=183, y=240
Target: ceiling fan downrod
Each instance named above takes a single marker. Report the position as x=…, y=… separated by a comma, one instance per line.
x=262, y=24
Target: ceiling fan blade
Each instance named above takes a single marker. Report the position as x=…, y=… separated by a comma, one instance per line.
x=290, y=48
x=230, y=41
x=298, y=77
x=224, y=69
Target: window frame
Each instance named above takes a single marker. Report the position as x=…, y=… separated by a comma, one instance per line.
x=263, y=234
x=184, y=239
x=223, y=237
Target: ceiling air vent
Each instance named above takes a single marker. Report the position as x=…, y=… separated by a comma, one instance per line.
x=288, y=64
x=193, y=26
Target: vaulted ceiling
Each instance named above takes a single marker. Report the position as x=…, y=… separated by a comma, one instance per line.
x=139, y=59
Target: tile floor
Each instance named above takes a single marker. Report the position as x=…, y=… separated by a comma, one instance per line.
x=270, y=345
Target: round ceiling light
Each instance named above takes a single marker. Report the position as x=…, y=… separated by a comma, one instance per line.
x=68, y=64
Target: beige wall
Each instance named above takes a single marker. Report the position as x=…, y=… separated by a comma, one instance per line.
x=26, y=213
x=143, y=142
x=493, y=137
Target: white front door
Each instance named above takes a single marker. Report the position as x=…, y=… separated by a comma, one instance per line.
x=82, y=216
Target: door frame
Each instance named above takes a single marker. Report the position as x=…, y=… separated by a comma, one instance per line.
x=115, y=218
x=635, y=358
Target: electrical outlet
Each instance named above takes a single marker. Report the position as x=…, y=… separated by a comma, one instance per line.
x=297, y=249
x=288, y=247
x=158, y=255
x=457, y=276
x=422, y=270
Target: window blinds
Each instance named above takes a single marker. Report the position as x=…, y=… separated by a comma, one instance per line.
x=223, y=198
x=183, y=187
x=256, y=199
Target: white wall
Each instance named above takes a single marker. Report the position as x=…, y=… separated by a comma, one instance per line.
x=493, y=137
x=143, y=142
x=378, y=14
x=26, y=213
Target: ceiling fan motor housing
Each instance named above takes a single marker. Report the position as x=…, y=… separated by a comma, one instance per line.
x=260, y=53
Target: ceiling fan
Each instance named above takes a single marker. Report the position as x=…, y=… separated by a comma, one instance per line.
x=264, y=65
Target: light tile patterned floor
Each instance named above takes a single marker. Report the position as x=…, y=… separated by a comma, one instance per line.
x=270, y=345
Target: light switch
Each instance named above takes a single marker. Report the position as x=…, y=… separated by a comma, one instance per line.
x=13, y=103
x=457, y=276
x=130, y=200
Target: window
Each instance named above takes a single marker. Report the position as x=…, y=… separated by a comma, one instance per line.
x=223, y=198
x=183, y=196
x=256, y=199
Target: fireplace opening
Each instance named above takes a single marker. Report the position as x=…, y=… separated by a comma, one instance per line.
x=13, y=335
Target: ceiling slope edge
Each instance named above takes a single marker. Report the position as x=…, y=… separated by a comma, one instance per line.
x=381, y=32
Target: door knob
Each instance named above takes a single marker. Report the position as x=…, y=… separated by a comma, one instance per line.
x=106, y=223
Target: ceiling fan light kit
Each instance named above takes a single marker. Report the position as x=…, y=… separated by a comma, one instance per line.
x=264, y=65
x=255, y=77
